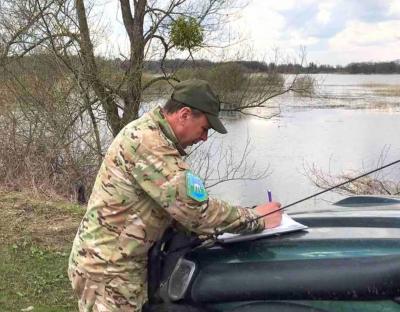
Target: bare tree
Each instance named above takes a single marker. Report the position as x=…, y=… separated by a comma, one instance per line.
x=378, y=183
x=47, y=144
x=217, y=163
x=171, y=24
x=62, y=28
x=68, y=94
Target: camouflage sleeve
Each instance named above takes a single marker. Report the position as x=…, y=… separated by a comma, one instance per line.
x=161, y=173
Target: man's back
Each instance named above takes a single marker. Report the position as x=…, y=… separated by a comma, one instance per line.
x=122, y=221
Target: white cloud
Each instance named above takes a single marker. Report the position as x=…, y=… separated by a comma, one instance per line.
x=324, y=16
x=260, y=27
x=394, y=7
x=299, y=39
x=273, y=5
x=333, y=30
x=264, y=25
x=362, y=42
x=364, y=34
x=324, y=11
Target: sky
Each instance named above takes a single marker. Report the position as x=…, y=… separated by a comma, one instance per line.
x=334, y=32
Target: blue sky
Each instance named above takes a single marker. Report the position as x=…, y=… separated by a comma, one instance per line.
x=335, y=32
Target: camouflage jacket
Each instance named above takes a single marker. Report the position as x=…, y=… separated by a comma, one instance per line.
x=140, y=188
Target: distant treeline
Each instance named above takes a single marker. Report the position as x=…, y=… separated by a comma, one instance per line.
x=46, y=63
x=311, y=68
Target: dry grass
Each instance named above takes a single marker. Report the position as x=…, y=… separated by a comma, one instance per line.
x=384, y=89
x=48, y=224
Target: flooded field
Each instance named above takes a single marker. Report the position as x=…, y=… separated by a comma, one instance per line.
x=352, y=124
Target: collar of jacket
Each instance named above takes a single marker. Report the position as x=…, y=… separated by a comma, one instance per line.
x=166, y=129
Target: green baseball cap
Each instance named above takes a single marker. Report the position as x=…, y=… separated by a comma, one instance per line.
x=197, y=94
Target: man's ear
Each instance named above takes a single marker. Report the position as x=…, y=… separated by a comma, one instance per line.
x=184, y=113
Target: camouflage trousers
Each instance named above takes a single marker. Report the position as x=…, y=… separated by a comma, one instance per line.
x=107, y=294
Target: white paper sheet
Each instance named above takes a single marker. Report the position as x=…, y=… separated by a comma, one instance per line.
x=287, y=225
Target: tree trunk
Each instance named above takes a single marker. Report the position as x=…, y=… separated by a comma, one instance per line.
x=91, y=74
x=134, y=28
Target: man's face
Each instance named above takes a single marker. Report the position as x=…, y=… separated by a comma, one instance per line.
x=193, y=129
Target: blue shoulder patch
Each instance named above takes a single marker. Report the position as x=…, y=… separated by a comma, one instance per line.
x=195, y=187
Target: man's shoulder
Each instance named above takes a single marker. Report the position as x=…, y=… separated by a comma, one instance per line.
x=146, y=132
x=144, y=123
x=143, y=128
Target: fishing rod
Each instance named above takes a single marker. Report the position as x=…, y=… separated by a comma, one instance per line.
x=214, y=237
x=327, y=190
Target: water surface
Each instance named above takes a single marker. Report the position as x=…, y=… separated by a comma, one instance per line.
x=336, y=140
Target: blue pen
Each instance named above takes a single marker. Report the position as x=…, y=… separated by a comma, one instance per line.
x=269, y=196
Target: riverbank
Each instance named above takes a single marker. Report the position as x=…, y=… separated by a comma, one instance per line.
x=35, y=239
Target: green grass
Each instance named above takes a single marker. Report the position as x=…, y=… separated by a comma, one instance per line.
x=35, y=239
x=35, y=277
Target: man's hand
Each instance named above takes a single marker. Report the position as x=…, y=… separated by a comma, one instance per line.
x=272, y=220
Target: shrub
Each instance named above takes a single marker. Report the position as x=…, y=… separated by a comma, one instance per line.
x=304, y=86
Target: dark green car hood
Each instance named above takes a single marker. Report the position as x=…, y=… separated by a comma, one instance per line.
x=347, y=260
x=347, y=254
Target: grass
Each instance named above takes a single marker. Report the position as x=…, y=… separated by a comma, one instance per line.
x=35, y=239
x=384, y=89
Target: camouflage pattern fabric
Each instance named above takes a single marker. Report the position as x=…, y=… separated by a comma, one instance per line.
x=106, y=293
x=139, y=190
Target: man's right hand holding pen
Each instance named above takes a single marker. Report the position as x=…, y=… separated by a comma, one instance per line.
x=272, y=219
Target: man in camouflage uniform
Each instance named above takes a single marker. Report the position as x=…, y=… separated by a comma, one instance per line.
x=142, y=186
